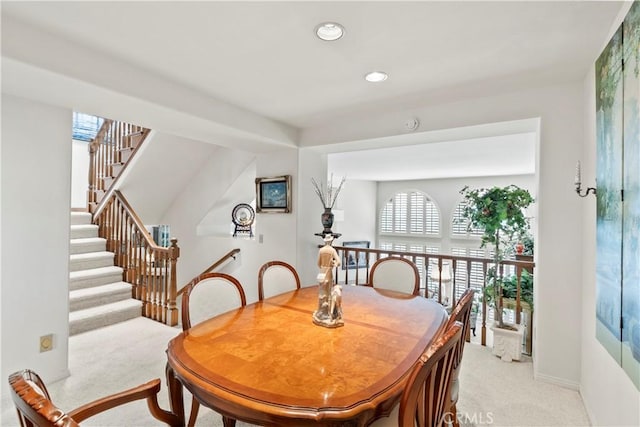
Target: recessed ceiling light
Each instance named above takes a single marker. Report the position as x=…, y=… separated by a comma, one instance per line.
x=329, y=31
x=376, y=76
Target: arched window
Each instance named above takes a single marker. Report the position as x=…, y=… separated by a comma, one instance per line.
x=460, y=225
x=410, y=213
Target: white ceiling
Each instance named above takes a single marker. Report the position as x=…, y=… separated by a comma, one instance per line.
x=450, y=159
x=263, y=59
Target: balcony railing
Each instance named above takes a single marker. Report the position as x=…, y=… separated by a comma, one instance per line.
x=466, y=272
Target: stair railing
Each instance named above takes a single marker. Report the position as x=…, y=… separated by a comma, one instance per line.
x=150, y=268
x=467, y=272
x=226, y=257
x=109, y=153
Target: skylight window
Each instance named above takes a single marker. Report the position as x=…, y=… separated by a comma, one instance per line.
x=86, y=126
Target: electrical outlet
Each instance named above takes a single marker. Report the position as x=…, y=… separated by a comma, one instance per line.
x=46, y=343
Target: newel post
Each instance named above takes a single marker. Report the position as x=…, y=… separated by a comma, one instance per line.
x=174, y=254
x=91, y=195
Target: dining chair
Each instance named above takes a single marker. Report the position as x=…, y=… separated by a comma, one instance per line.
x=424, y=400
x=395, y=273
x=460, y=313
x=276, y=277
x=207, y=296
x=35, y=408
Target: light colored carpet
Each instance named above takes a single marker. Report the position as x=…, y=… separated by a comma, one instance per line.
x=114, y=358
x=493, y=392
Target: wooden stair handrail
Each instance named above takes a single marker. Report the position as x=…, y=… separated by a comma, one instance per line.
x=231, y=254
x=136, y=219
x=149, y=267
x=115, y=133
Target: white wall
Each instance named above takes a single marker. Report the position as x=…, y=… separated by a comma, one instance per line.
x=197, y=198
x=357, y=201
x=79, y=173
x=559, y=109
x=275, y=233
x=610, y=397
x=36, y=196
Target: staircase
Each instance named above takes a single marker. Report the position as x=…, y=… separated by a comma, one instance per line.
x=97, y=295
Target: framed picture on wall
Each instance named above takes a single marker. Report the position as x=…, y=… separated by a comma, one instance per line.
x=273, y=195
x=352, y=260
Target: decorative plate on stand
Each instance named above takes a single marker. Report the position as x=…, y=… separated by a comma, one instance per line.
x=243, y=216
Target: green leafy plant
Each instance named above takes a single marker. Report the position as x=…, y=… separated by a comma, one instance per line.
x=509, y=287
x=499, y=212
x=527, y=241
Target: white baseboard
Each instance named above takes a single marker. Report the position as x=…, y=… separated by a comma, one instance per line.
x=592, y=419
x=562, y=382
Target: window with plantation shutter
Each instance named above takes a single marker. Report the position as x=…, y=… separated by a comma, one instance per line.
x=386, y=218
x=476, y=278
x=410, y=213
x=400, y=213
x=459, y=225
x=416, y=213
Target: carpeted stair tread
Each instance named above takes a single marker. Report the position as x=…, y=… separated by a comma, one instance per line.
x=78, y=218
x=103, y=315
x=94, y=277
x=87, y=244
x=80, y=299
x=90, y=260
x=84, y=230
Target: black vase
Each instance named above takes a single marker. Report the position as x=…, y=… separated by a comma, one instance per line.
x=327, y=221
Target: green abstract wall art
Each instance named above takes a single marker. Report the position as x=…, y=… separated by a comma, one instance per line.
x=618, y=196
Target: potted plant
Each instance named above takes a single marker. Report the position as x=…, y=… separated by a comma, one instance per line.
x=500, y=213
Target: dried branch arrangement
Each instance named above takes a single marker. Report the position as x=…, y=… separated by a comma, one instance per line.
x=329, y=194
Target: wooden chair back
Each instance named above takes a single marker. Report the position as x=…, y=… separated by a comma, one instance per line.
x=396, y=274
x=276, y=277
x=208, y=295
x=425, y=399
x=35, y=408
x=461, y=313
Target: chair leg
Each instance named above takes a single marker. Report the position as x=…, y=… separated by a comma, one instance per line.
x=228, y=422
x=195, y=405
x=454, y=413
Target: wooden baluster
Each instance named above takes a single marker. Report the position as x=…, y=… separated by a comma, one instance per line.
x=112, y=136
x=484, y=305
x=91, y=195
x=119, y=237
x=346, y=271
x=453, y=284
x=174, y=253
x=153, y=284
x=518, y=278
x=356, y=272
x=369, y=263
x=157, y=300
x=129, y=252
x=147, y=281
x=110, y=216
x=440, y=280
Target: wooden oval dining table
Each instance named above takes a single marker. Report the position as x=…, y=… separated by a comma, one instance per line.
x=269, y=364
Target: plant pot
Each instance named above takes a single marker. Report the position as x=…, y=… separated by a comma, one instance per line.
x=507, y=343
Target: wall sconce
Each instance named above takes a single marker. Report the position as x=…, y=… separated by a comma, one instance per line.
x=578, y=183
